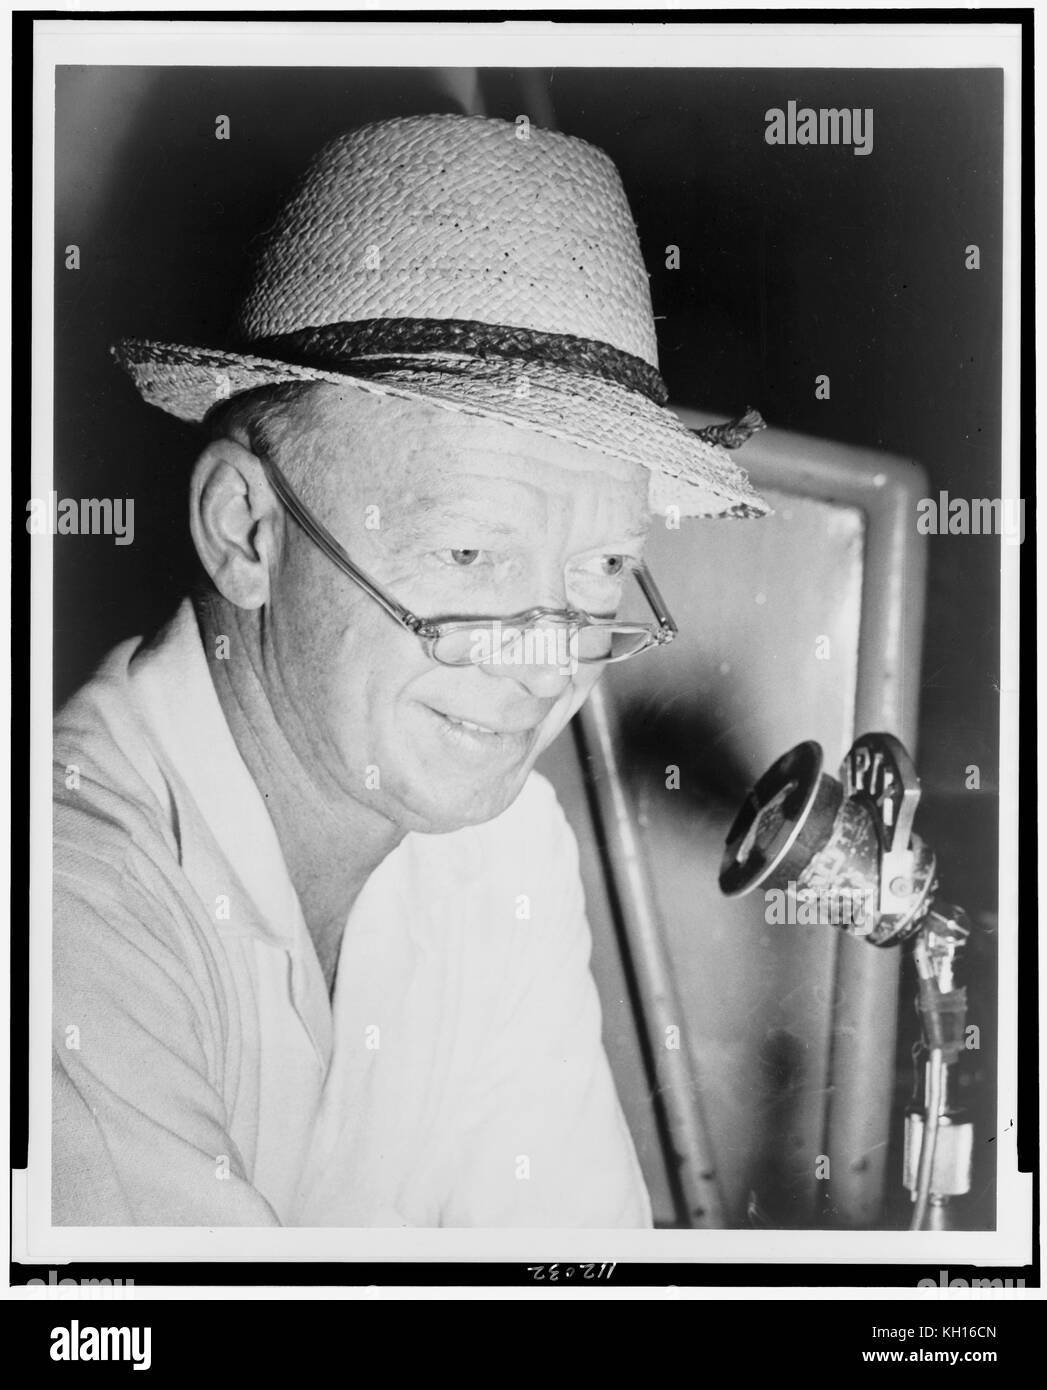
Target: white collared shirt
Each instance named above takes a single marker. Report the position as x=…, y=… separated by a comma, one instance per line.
x=202, y=1075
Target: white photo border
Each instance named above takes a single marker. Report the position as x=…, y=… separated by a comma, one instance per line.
x=418, y=44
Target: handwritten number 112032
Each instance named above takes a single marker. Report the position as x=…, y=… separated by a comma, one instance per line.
x=559, y=1273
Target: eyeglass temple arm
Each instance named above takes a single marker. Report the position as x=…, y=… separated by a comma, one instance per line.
x=320, y=535
x=654, y=598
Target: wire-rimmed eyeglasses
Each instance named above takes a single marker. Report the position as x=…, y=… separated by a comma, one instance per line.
x=558, y=637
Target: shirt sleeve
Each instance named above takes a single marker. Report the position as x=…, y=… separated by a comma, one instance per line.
x=140, y=1131
x=544, y=1142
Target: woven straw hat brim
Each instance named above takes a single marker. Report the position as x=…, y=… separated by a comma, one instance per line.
x=698, y=477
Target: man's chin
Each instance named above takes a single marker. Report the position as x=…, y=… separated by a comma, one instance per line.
x=463, y=805
x=462, y=777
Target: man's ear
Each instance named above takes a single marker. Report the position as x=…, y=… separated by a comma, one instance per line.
x=235, y=521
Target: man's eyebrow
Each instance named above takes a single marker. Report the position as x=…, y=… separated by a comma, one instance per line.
x=426, y=514
x=628, y=533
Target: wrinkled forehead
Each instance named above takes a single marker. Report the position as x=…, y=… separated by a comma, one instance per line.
x=407, y=456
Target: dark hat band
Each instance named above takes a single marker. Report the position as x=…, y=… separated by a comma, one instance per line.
x=371, y=346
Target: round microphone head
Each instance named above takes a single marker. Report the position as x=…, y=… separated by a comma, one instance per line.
x=783, y=822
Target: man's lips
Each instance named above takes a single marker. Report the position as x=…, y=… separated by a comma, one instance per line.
x=487, y=745
x=485, y=727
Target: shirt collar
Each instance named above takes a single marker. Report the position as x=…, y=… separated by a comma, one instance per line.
x=174, y=686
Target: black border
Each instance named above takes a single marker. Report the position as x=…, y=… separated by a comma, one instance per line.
x=397, y=1273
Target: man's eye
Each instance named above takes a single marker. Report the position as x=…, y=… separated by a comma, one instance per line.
x=463, y=558
x=604, y=567
x=600, y=568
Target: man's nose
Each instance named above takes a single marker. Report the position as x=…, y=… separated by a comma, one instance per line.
x=541, y=659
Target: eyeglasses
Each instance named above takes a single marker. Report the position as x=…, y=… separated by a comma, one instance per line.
x=537, y=636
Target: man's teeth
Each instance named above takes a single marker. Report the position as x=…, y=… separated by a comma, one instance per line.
x=465, y=724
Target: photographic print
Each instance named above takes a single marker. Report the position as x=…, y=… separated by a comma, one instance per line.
x=524, y=637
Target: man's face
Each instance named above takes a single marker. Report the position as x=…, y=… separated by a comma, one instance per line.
x=452, y=515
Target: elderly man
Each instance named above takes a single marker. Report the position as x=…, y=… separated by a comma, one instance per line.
x=320, y=946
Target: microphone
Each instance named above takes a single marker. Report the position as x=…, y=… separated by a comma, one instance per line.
x=846, y=847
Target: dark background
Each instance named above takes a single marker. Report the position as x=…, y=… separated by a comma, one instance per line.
x=795, y=261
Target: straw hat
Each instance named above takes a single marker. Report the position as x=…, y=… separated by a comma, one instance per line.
x=479, y=265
